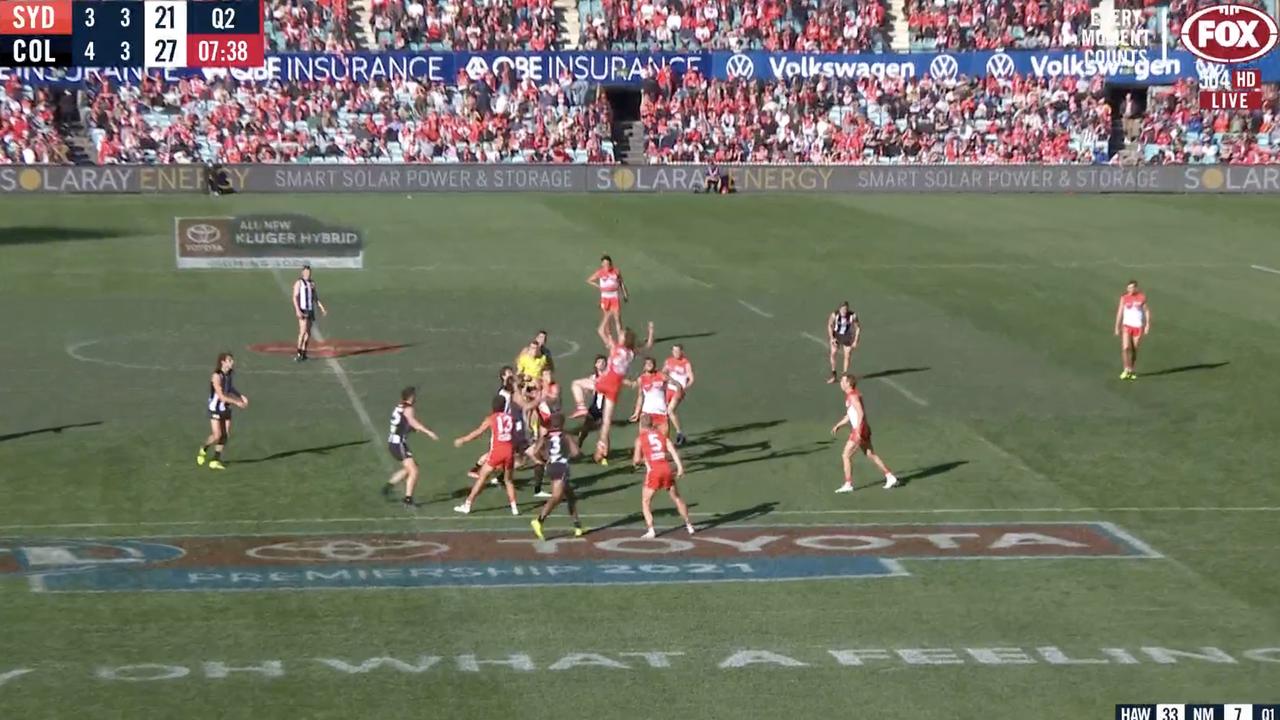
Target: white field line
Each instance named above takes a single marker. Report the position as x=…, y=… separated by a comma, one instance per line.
x=886, y=380
x=498, y=512
x=336, y=368
x=703, y=283
x=754, y=309
x=1265, y=269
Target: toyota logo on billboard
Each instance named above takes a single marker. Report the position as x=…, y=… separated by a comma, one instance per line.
x=740, y=67
x=203, y=234
x=1000, y=66
x=944, y=67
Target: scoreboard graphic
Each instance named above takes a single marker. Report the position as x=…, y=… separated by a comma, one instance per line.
x=131, y=33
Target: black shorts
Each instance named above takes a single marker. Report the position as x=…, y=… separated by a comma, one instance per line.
x=223, y=415
x=844, y=339
x=309, y=315
x=400, y=451
x=595, y=411
x=558, y=471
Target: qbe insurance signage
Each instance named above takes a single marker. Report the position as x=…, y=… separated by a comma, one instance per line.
x=264, y=241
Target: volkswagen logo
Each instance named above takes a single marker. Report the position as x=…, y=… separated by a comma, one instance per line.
x=203, y=234
x=944, y=67
x=477, y=67
x=740, y=67
x=348, y=550
x=1000, y=65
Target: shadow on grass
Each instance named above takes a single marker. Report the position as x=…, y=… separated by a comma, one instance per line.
x=56, y=430
x=738, y=516
x=686, y=336
x=317, y=450
x=37, y=234
x=891, y=373
x=1186, y=368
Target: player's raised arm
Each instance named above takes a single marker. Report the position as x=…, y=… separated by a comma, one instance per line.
x=648, y=341
x=675, y=456
x=474, y=433
x=417, y=425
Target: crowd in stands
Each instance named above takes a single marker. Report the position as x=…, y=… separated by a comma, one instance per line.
x=309, y=25
x=464, y=25
x=490, y=120
x=1174, y=130
x=868, y=121
x=773, y=25
x=28, y=127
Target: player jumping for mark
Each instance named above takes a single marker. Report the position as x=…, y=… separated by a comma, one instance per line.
x=1133, y=322
x=855, y=417
x=621, y=352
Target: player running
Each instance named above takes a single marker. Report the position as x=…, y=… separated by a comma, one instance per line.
x=658, y=453
x=609, y=281
x=843, y=330
x=501, y=455
x=680, y=371
x=621, y=352
x=403, y=422
x=305, y=302
x=653, y=388
x=555, y=448
x=855, y=416
x=222, y=395
x=1133, y=322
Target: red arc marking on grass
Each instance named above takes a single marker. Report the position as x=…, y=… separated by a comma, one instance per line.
x=330, y=348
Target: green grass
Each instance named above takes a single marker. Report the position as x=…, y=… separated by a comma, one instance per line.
x=998, y=311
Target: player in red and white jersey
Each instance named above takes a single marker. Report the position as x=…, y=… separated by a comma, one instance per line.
x=621, y=352
x=1133, y=322
x=501, y=455
x=680, y=371
x=658, y=453
x=855, y=416
x=652, y=396
x=613, y=292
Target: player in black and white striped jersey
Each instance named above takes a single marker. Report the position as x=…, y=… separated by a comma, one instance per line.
x=404, y=422
x=306, y=300
x=843, y=330
x=555, y=448
x=222, y=397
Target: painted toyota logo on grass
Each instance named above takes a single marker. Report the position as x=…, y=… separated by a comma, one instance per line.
x=1000, y=65
x=348, y=550
x=740, y=67
x=944, y=67
x=203, y=234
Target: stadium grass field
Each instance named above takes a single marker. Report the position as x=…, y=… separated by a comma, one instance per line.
x=992, y=388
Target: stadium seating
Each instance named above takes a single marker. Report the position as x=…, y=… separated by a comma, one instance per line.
x=28, y=127
x=464, y=25
x=1174, y=130
x=920, y=121
x=776, y=25
x=222, y=121
x=310, y=25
